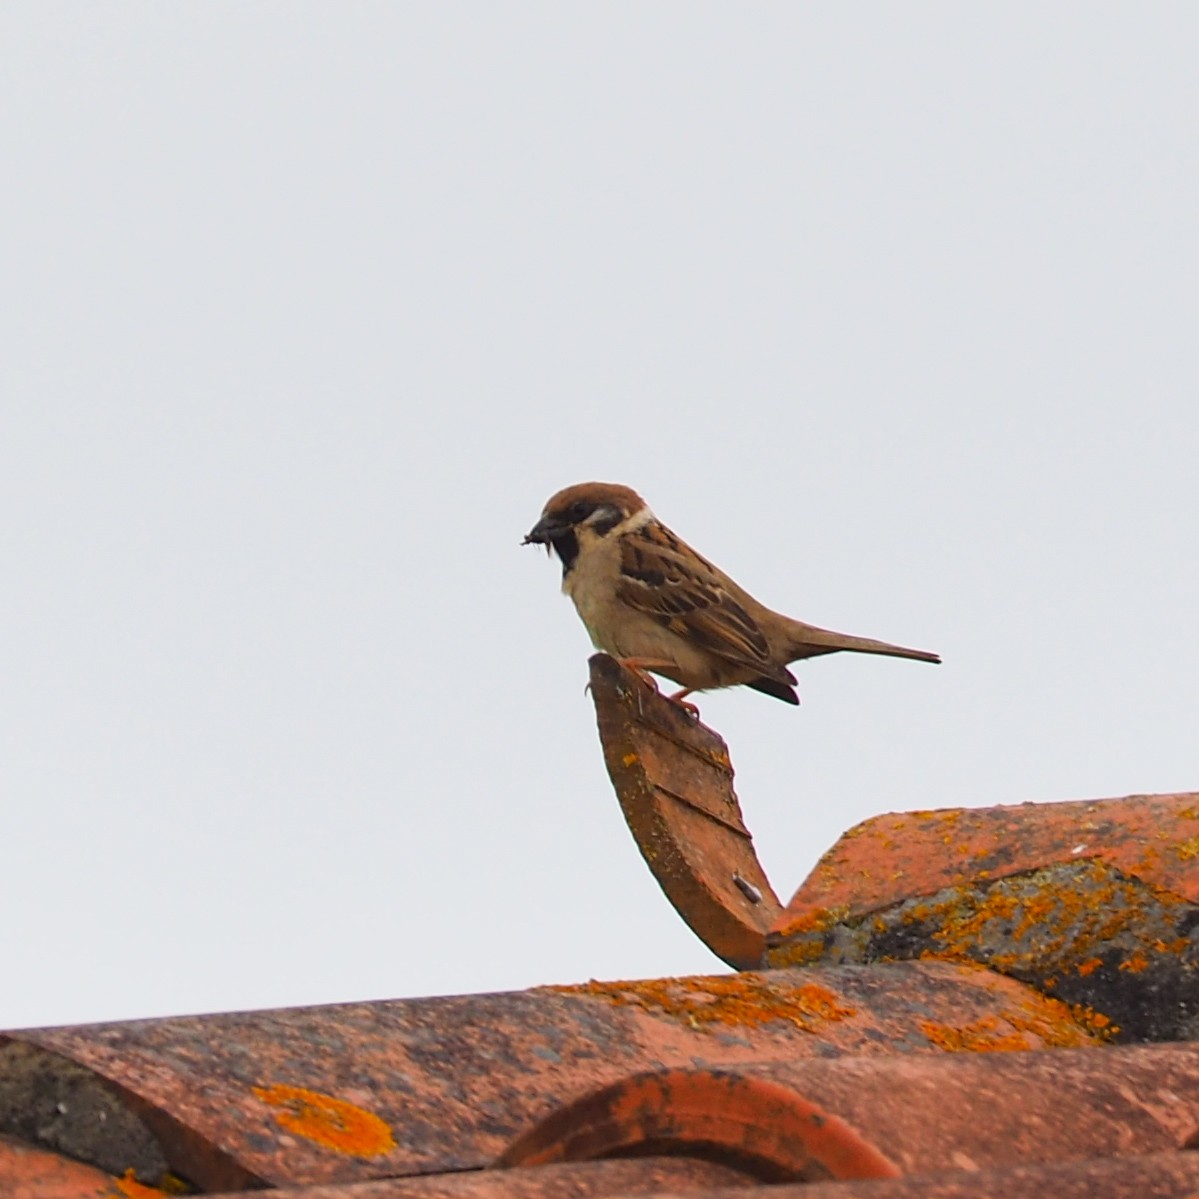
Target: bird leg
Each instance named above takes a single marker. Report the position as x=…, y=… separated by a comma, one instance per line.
x=680, y=698
x=641, y=666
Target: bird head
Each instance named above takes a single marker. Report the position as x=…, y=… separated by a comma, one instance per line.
x=580, y=514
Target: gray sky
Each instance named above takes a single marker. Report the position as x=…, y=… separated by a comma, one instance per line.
x=891, y=310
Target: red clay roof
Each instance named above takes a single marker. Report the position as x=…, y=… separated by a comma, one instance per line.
x=939, y=1015
x=354, y=1091
x=1091, y=901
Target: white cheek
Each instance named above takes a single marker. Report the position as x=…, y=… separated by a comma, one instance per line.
x=638, y=519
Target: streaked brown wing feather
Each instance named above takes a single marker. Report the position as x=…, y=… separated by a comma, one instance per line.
x=665, y=579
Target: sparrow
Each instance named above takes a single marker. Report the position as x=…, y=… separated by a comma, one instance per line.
x=653, y=603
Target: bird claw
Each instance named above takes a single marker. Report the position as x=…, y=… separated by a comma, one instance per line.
x=647, y=678
x=638, y=666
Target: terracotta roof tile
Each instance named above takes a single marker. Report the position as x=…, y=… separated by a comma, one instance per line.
x=1154, y=1176
x=863, y=1062
x=571, y=1180
x=674, y=781
x=354, y=1091
x=1091, y=901
x=29, y=1173
x=886, y=1116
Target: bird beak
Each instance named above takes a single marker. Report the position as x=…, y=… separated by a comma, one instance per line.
x=544, y=531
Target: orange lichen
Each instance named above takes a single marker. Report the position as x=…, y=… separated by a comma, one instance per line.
x=629, y=759
x=814, y=922
x=1187, y=849
x=128, y=1187
x=980, y=1036
x=1097, y=1022
x=1051, y=1021
x=819, y=1001
x=1063, y=921
x=924, y=815
x=1136, y=961
x=1073, y=922
x=800, y=951
x=328, y=1121
x=739, y=1001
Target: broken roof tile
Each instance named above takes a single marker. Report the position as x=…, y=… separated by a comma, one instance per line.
x=674, y=782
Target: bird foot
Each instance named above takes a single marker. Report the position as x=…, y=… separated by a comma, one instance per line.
x=641, y=668
x=680, y=702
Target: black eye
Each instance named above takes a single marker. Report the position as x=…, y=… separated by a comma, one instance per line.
x=580, y=510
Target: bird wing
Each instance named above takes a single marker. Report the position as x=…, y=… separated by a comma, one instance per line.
x=663, y=577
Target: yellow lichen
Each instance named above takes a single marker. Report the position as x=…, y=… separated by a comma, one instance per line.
x=980, y=1036
x=739, y=1001
x=798, y=952
x=815, y=922
x=1051, y=1021
x=328, y=1121
x=1075, y=922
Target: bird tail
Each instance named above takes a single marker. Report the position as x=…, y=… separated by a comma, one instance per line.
x=808, y=641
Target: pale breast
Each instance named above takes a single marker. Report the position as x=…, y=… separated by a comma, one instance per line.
x=623, y=632
x=590, y=583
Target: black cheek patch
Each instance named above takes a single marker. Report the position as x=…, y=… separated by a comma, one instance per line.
x=566, y=546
